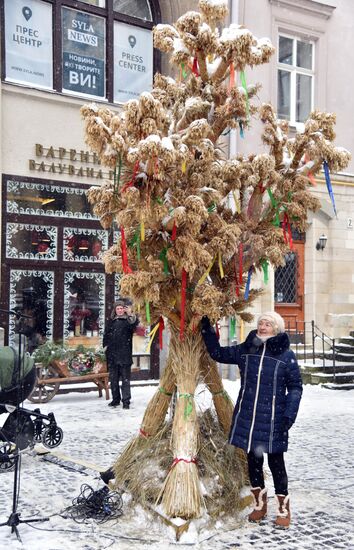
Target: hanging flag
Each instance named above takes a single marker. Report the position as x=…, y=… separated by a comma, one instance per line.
x=248, y=283
x=183, y=303
x=329, y=186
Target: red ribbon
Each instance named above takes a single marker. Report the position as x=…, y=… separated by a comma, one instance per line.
x=143, y=433
x=123, y=242
x=240, y=265
x=186, y=460
x=174, y=231
x=287, y=231
x=161, y=329
x=217, y=330
x=183, y=303
x=129, y=183
x=195, y=68
x=237, y=286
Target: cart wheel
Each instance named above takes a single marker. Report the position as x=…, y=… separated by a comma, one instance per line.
x=42, y=393
x=52, y=436
x=38, y=433
x=7, y=460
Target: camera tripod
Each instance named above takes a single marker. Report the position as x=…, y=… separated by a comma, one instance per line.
x=14, y=518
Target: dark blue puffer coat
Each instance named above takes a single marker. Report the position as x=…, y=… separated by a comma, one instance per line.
x=270, y=392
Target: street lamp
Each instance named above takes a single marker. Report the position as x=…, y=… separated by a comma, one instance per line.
x=321, y=243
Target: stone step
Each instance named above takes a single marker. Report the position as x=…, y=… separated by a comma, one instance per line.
x=323, y=378
x=345, y=357
x=347, y=340
x=327, y=368
x=344, y=348
x=333, y=386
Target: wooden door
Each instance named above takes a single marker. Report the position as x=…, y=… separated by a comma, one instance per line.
x=289, y=289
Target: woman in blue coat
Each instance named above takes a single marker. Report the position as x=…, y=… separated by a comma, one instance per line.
x=266, y=406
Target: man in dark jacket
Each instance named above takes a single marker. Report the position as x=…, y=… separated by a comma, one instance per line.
x=266, y=406
x=118, y=341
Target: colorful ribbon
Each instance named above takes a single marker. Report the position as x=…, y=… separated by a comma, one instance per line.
x=123, y=242
x=265, y=265
x=329, y=186
x=206, y=273
x=186, y=460
x=163, y=258
x=232, y=328
x=188, y=406
x=161, y=329
x=240, y=263
x=147, y=312
x=248, y=283
x=183, y=302
x=244, y=86
x=221, y=269
x=287, y=231
x=162, y=390
x=152, y=336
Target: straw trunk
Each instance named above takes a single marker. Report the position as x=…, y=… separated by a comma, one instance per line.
x=180, y=494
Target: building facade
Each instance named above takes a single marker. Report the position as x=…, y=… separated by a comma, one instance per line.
x=58, y=55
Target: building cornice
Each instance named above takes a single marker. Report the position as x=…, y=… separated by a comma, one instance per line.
x=309, y=7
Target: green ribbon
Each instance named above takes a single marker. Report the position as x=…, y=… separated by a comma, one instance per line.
x=265, y=265
x=212, y=207
x=147, y=312
x=244, y=86
x=163, y=258
x=162, y=390
x=232, y=328
x=136, y=242
x=276, y=221
x=223, y=393
x=159, y=200
x=188, y=407
x=184, y=72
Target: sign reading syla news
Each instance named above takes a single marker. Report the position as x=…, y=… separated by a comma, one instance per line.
x=133, y=61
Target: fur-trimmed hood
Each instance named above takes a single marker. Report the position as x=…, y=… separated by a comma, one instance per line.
x=276, y=345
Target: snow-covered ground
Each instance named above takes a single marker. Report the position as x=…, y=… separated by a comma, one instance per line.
x=319, y=461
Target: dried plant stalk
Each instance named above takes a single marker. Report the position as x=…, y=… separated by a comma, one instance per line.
x=222, y=402
x=180, y=495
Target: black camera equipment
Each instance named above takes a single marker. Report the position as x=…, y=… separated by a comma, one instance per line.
x=19, y=431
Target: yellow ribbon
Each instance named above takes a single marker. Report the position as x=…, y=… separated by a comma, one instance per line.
x=142, y=231
x=152, y=336
x=184, y=166
x=220, y=266
x=237, y=203
x=204, y=276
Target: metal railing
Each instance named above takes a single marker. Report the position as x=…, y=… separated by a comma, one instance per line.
x=326, y=341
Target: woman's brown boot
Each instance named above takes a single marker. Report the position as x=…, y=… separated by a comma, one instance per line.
x=259, y=504
x=283, y=512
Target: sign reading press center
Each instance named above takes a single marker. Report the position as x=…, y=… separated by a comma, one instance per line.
x=133, y=61
x=28, y=42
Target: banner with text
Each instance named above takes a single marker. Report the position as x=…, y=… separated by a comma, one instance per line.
x=133, y=61
x=28, y=42
x=83, y=53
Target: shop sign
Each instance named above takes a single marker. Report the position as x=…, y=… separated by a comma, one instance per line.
x=28, y=42
x=133, y=61
x=83, y=53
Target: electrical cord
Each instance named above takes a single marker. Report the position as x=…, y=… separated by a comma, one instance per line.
x=101, y=505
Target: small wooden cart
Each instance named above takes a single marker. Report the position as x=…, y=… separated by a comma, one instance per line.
x=49, y=380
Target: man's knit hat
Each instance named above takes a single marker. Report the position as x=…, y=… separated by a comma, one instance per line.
x=276, y=320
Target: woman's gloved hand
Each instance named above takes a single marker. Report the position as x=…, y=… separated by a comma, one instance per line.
x=205, y=322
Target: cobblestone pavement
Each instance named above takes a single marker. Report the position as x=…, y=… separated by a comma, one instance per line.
x=319, y=463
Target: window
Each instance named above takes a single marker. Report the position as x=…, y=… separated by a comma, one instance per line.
x=295, y=78
x=88, y=48
x=285, y=280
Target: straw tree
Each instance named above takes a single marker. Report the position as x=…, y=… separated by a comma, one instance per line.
x=195, y=225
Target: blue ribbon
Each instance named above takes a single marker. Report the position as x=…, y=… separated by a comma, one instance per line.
x=247, y=289
x=242, y=134
x=329, y=185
